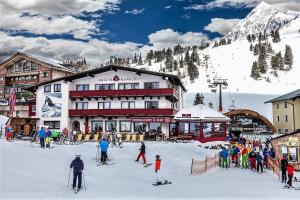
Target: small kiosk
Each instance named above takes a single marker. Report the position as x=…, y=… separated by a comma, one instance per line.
x=201, y=123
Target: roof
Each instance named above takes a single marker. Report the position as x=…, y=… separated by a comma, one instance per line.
x=200, y=113
x=172, y=78
x=292, y=95
x=50, y=62
x=287, y=134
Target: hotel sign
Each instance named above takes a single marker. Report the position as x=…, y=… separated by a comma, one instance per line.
x=118, y=78
x=155, y=120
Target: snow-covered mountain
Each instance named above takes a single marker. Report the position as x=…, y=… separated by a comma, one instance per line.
x=263, y=18
x=234, y=61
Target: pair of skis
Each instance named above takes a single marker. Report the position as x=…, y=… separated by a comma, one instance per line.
x=165, y=182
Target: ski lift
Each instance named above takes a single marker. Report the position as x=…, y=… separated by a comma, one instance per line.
x=224, y=87
x=208, y=81
x=214, y=90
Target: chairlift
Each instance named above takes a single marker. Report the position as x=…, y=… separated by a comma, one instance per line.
x=224, y=87
x=214, y=90
x=208, y=81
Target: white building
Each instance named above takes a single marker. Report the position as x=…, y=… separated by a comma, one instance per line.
x=112, y=97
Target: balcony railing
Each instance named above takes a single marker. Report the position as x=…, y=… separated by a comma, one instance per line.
x=125, y=93
x=122, y=112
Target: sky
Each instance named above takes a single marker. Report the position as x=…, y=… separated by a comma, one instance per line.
x=98, y=29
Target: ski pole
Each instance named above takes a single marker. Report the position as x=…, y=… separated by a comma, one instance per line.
x=69, y=178
x=83, y=181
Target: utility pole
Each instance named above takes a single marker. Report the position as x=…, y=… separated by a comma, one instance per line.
x=222, y=84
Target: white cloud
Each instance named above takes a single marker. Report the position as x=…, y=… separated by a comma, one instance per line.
x=168, y=38
x=168, y=6
x=52, y=17
x=222, y=26
x=135, y=11
x=287, y=4
x=186, y=16
x=95, y=51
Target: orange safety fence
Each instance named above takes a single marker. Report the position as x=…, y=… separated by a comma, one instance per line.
x=274, y=166
x=202, y=166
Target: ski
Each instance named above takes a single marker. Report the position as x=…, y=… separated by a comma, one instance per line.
x=148, y=164
x=101, y=164
x=166, y=182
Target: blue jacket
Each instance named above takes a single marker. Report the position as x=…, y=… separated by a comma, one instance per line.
x=224, y=153
x=77, y=165
x=265, y=152
x=272, y=153
x=42, y=133
x=104, y=146
x=258, y=157
x=236, y=151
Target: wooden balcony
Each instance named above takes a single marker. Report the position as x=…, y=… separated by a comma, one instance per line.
x=122, y=112
x=168, y=92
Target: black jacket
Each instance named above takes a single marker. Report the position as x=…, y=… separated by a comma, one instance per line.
x=283, y=164
x=143, y=148
x=77, y=165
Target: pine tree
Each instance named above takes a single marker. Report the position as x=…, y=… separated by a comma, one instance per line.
x=288, y=58
x=175, y=65
x=216, y=44
x=253, y=38
x=181, y=63
x=249, y=38
x=187, y=56
x=251, y=47
x=198, y=99
x=192, y=71
x=229, y=41
x=261, y=62
x=274, y=63
x=194, y=56
x=255, y=50
x=140, y=62
x=276, y=36
x=149, y=62
x=255, y=72
x=134, y=60
x=280, y=61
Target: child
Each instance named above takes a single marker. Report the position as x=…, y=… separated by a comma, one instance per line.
x=47, y=141
x=290, y=169
x=157, y=168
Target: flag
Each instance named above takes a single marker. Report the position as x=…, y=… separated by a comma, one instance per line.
x=12, y=101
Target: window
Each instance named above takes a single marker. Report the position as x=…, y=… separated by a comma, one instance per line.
x=219, y=127
x=151, y=104
x=57, y=87
x=286, y=130
x=104, y=86
x=128, y=86
x=82, y=87
x=154, y=127
x=277, y=105
x=207, y=129
x=151, y=85
x=286, y=118
x=52, y=124
x=195, y=129
x=278, y=118
x=127, y=104
x=33, y=108
x=1, y=78
x=173, y=129
x=81, y=105
x=111, y=126
x=279, y=131
x=140, y=127
x=125, y=126
x=104, y=105
x=7, y=90
x=285, y=104
x=45, y=74
x=184, y=128
x=47, y=88
x=17, y=113
x=97, y=126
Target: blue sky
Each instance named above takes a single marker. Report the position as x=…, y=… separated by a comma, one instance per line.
x=97, y=29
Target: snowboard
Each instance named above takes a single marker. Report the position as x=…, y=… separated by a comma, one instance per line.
x=148, y=164
x=166, y=182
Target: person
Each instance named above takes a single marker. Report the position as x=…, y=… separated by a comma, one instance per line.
x=224, y=158
x=157, y=168
x=48, y=132
x=265, y=154
x=244, y=158
x=42, y=136
x=103, y=146
x=283, y=167
x=259, y=164
x=9, y=134
x=142, y=153
x=47, y=142
x=78, y=166
x=235, y=156
x=272, y=153
x=252, y=157
x=290, y=169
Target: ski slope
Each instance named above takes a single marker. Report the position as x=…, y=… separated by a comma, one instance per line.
x=33, y=173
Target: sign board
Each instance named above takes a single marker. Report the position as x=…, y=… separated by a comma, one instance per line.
x=154, y=120
x=186, y=115
x=118, y=78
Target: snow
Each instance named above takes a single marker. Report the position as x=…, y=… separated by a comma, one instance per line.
x=200, y=112
x=32, y=173
x=3, y=120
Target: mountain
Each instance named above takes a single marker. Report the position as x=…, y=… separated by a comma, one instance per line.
x=233, y=60
x=263, y=19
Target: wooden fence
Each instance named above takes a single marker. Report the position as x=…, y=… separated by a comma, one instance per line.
x=202, y=166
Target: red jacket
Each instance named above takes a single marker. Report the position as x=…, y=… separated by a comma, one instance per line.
x=157, y=164
x=244, y=151
x=290, y=169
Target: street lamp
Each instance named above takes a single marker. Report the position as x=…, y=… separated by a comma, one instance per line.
x=293, y=113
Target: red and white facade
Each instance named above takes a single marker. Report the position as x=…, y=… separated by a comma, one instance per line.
x=112, y=97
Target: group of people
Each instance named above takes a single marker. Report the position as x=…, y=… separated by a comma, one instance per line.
x=287, y=168
x=45, y=137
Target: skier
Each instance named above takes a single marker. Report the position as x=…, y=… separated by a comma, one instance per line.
x=259, y=163
x=142, y=153
x=47, y=142
x=103, y=147
x=290, y=169
x=224, y=155
x=9, y=133
x=235, y=155
x=78, y=167
x=265, y=154
x=157, y=168
x=272, y=153
x=42, y=136
x=283, y=166
x=244, y=158
x=252, y=157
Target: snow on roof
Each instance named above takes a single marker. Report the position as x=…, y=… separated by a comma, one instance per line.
x=200, y=112
x=292, y=95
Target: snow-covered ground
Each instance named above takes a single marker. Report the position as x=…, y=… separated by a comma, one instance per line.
x=33, y=173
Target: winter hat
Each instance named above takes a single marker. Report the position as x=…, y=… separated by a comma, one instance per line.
x=77, y=155
x=157, y=156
